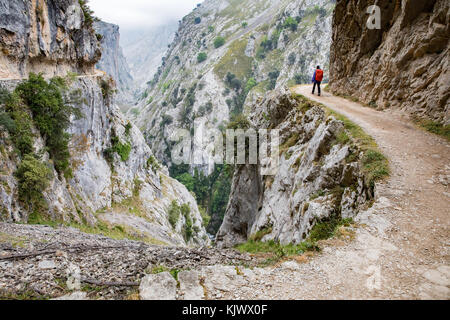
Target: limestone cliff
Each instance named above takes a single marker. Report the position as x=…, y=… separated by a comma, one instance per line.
x=114, y=181
x=47, y=36
x=113, y=61
x=318, y=178
x=405, y=64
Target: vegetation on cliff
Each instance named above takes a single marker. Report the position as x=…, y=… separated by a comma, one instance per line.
x=39, y=107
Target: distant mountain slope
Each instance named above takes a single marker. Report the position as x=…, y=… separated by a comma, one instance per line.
x=227, y=52
x=144, y=50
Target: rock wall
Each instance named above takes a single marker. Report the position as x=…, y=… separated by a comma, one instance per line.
x=49, y=36
x=404, y=65
x=316, y=178
x=132, y=193
x=113, y=61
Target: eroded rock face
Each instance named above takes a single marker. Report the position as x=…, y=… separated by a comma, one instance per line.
x=113, y=61
x=316, y=179
x=403, y=65
x=48, y=36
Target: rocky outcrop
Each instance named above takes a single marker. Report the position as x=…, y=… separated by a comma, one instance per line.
x=316, y=179
x=271, y=44
x=113, y=61
x=404, y=65
x=49, y=36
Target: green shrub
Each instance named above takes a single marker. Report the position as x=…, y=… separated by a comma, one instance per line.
x=301, y=79
x=187, y=229
x=7, y=122
x=51, y=115
x=218, y=42
x=4, y=95
x=153, y=163
x=107, y=87
x=122, y=149
x=128, y=127
x=33, y=177
x=87, y=12
x=291, y=58
x=239, y=121
x=166, y=120
x=276, y=251
x=205, y=216
x=202, y=56
x=174, y=212
x=291, y=23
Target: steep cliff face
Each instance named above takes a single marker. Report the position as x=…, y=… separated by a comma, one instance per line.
x=114, y=182
x=113, y=61
x=224, y=54
x=319, y=177
x=47, y=36
x=405, y=64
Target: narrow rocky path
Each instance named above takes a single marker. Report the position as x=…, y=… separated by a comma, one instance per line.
x=401, y=249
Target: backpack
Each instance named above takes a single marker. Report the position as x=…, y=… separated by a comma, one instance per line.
x=319, y=75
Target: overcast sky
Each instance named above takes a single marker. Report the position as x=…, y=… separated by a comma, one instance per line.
x=135, y=14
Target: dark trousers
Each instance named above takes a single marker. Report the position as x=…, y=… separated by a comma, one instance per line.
x=318, y=86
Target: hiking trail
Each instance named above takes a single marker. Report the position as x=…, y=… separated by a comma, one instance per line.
x=401, y=247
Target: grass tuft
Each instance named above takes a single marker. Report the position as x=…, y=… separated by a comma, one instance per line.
x=434, y=127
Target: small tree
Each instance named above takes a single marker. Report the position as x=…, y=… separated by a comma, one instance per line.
x=202, y=56
x=218, y=42
x=291, y=59
x=33, y=177
x=291, y=23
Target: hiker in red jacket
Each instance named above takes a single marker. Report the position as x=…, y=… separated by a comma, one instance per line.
x=317, y=79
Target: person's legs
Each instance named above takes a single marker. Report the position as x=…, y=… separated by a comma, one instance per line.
x=318, y=86
x=314, y=87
